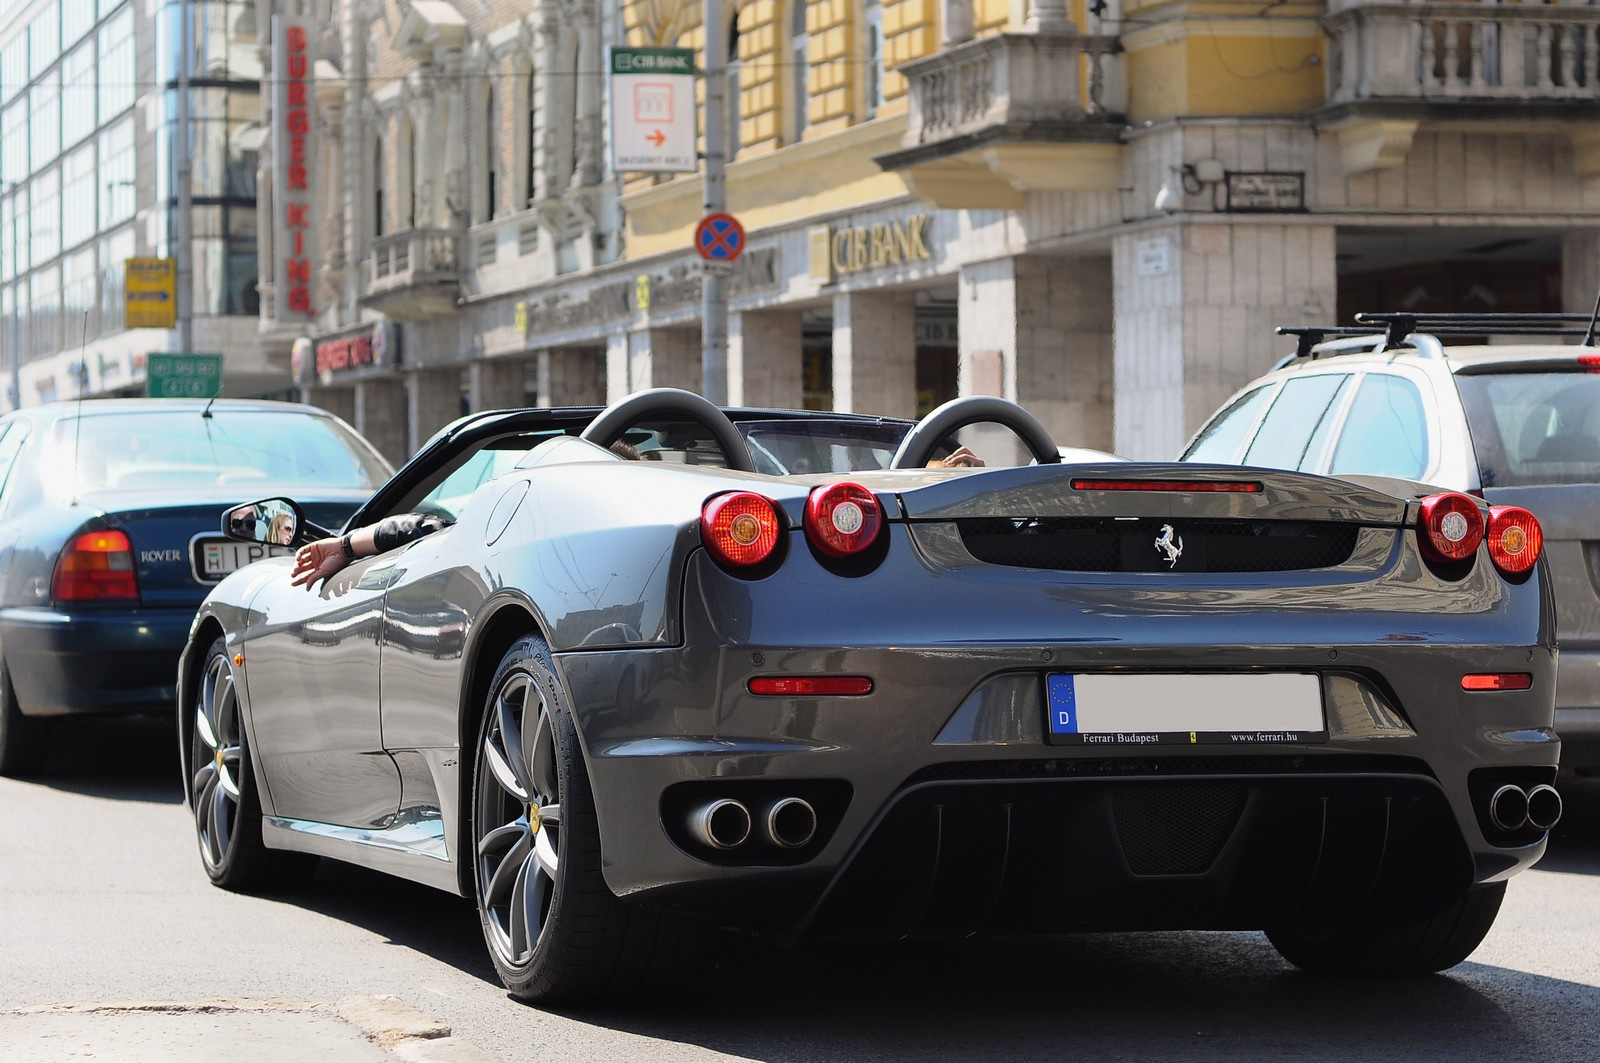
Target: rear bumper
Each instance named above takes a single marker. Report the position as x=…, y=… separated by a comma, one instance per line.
x=93, y=661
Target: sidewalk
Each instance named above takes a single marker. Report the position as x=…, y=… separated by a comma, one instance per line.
x=366, y=1029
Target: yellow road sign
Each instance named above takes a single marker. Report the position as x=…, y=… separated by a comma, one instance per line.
x=150, y=293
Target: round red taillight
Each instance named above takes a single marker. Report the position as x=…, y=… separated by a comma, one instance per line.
x=1515, y=539
x=740, y=528
x=1450, y=527
x=843, y=519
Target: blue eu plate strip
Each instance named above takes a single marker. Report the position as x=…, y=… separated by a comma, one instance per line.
x=1063, y=704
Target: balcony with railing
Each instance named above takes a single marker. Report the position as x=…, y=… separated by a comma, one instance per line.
x=1392, y=66
x=994, y=118
x=415, y=274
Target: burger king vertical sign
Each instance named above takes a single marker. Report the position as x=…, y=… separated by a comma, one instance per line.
x=294, y=225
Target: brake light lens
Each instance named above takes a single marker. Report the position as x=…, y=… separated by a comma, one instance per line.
x=740, y=529
x=1497, y=681
x=1515, y=539
x=801, y=686
x=843, y=519
x=95, y=567
x=1450, y=527
x=1227, y=486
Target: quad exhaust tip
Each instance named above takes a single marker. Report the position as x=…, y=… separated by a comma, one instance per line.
x=789, y=823
x=1511, y=807
x=720, y=824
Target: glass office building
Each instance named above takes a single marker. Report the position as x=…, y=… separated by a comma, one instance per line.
x=89, y=114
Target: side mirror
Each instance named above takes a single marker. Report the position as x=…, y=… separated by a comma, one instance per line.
x=274, y=521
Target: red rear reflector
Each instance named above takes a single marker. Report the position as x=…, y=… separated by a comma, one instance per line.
x=1515, y=539
x=843, y=519
x=740, y=528
x=1450, y=527
x=1590, y=360
x=1497, y=681
x=95, y=567
x=802, y=686
x=1236, y=486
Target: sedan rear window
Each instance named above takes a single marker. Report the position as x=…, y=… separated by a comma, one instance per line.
x=1534, y=428
x=268, y=450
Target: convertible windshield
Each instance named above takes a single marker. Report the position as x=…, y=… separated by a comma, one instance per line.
x=267, y=449
x=790, y=447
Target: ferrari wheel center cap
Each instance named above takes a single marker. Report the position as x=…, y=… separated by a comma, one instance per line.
x=533, y=819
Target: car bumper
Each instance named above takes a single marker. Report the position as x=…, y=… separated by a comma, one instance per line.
x=93, y=661
x=942, y=808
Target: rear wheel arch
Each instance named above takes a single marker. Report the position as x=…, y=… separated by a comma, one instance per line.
x=193, y=664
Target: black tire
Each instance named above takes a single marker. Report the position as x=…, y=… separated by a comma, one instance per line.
x=536, y=854
x=24, y=740
x=1427, y=947
x=221, y=790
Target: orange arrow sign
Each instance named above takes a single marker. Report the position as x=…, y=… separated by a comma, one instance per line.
x=657, y=137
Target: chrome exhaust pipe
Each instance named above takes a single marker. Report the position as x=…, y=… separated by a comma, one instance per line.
x=1544, y=807
x=789, y=823
x=1508, y=808
x=721, y=824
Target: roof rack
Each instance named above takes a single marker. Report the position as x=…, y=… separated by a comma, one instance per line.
x=1398, y=328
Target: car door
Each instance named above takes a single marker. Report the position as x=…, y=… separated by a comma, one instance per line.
x=312, y=666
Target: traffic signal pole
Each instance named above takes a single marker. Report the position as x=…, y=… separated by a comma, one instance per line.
x=714, y=279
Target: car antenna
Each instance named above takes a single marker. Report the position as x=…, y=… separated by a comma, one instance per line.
x=77, y=422
x=1594, y=318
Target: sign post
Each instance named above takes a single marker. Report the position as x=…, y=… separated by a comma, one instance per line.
x=653, y=110
x=183, y=376
x=150, y=293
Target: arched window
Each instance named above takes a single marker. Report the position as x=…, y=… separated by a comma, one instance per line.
x=872, y=60
x=798, y=92
x=377, y=187
x=491, y=153
x=406, y=181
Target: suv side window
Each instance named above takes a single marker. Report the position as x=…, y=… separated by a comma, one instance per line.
x=1386, y=433
x=1301, y=408
x=1219, y=441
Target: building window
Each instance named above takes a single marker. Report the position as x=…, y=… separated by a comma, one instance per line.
x=872, y=60
x=117, y=173
x=44, y=37
x=733, y=81
x=377, y=188
x=78, y=76
x=799, y=44
x=78, y=297
x=14, y=72
x=14, y=142
x=116, y=65
x=44, y=312
x=15, y=236
x=115, y=250
x=45, y=218
x=528, y=153
x=77, y=17
x=491, y=154
x=78, y=175
x=44, y=100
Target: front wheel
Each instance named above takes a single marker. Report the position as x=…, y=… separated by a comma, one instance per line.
x=1423, y=948
x=555, y=931
x=222, y=790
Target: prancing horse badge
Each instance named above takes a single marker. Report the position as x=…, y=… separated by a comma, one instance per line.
x=1170, y=544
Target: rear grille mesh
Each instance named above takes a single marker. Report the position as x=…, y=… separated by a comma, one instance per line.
x=1175, y=829
x=1105, y=545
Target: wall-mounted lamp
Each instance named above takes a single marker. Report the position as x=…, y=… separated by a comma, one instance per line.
x=1189, y=179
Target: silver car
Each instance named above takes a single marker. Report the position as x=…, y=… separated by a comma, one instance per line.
x=1444, y=399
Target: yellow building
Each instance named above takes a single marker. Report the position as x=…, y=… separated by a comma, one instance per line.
x=1099, y=208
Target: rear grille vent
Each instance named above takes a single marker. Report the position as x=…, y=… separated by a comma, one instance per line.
x=1177, y=828
x=1145, y=767
x=1152, y=545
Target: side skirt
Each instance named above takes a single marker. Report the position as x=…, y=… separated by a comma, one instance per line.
x=413, y=850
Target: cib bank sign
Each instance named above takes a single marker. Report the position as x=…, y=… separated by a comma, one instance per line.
x=653, y=110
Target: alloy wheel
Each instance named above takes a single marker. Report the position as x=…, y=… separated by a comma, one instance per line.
x=518, y=806
x=218, y=758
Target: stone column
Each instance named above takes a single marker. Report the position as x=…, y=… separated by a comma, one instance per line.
x=875, y=353
x=987, y=304
x=341, y=402
x=618, y=363
x=956, y=16
x=380, y=415
x=497, y=384
x=764, y=359
x=1196, y=305
x=433, y=400
x=664, y=358
x=588, y=145
x=1049, y=16
x=1064, y=369
x=1580, y=271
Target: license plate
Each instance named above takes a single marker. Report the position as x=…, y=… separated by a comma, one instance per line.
x=215, y=558
x=1258, y=709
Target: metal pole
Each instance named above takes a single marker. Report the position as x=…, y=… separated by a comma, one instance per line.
x=714, y=285
x=184, y=236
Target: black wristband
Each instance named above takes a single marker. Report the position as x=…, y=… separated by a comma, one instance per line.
x=348, y=546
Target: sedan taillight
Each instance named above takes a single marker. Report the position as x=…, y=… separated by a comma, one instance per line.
x=1515, y=539
x=843, y=519
x=95, y=567
x=740, y=528
x=1450, y=527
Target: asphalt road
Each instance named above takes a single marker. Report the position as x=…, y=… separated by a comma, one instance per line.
x=102, y=899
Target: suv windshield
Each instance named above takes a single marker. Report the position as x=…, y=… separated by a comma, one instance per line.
x=280, y=450
x=1534, y=428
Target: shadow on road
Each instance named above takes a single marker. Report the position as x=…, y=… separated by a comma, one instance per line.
x=129, y=758
x=1575, y=842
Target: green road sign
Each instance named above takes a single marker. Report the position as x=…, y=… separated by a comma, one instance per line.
x=183, y=376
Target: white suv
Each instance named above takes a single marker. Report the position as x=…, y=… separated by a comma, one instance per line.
x=1515, y=424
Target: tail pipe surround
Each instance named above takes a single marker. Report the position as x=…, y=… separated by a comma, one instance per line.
x=789, y=823
x=1544, y=807
x=1508, y=808
x=720, y=824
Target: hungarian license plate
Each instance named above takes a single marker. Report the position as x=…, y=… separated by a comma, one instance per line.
x=1256, y=709
x=215, y=558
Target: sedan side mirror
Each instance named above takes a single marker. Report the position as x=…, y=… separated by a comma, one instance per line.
x=274, y=521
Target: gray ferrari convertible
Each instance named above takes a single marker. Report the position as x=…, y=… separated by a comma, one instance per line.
x=778, y=674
